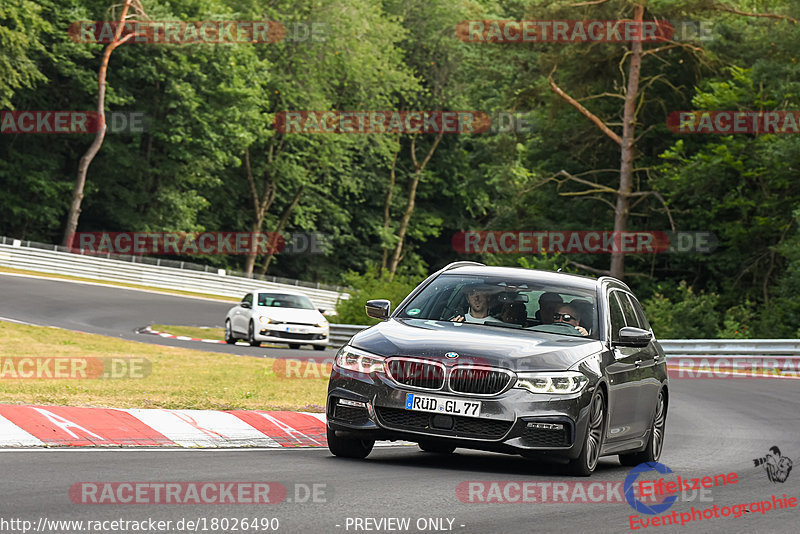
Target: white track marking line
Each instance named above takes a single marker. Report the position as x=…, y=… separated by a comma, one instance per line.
x=203, y=428
x=11, y=434
x=9, y=320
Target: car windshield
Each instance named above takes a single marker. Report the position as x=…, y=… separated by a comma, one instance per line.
x=521, y=303
x=278, y=300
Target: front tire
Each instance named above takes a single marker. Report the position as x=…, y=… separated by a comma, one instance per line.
x=320, y=347
x=349, y=447
x=652, y=452
x=229, y=339
x=251, y=336
x=586, y=462
x=294, y=345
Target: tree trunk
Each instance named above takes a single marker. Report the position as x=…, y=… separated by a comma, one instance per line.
x=260, y=207
x=412, y=195
x=622, y=209
x=83, y=166
x=387, y=208
x=281, y=225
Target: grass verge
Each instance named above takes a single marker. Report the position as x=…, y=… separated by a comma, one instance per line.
x=202, y=332
x=179, y=378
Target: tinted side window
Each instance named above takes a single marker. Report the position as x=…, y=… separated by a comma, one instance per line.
x=627, y=310
x=248, y=298
x=639, y=313
x=617, y=318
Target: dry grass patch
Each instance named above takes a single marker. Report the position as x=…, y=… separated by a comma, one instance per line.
x=201, y=332
x=179, y=378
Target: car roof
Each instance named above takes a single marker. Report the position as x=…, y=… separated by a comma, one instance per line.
x=574, y=280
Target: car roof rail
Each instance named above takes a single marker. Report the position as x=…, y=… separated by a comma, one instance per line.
x=456, y=264
x=611, y=279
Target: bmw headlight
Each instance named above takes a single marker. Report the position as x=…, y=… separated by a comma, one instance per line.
x=358, y=360
x=559, y=383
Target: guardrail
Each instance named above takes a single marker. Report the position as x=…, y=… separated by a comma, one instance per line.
x=152, y=272
x=674, y=348
x=340, y=334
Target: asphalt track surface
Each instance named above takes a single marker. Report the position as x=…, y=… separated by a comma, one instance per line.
x=119, y=312
x=713, y=427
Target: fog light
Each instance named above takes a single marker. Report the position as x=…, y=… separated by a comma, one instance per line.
x=345, y=402
x=546, y=426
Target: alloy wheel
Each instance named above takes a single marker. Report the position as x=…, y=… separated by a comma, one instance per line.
x=595, y=431
x=658, y=427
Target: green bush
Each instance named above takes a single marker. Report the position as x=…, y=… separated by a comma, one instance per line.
x=738, y=322
x=369, y=286
x=684, y=314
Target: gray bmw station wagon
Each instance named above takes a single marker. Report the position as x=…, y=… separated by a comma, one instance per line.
x=552, y=366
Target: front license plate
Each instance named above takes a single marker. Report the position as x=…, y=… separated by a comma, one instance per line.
x=295, y=330
x=423, y=403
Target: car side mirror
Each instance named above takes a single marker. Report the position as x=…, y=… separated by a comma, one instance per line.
x=378, y=309
x=245, y=304
x=321, y=310
x=630, y=336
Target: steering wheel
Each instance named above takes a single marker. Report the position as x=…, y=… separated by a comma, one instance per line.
x=562, y=323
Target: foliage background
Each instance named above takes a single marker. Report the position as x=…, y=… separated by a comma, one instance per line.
x=209, y=104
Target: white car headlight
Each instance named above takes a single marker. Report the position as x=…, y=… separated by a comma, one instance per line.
x=358, y=360
x=322, y=324
x=264, y=319
x=557, y=382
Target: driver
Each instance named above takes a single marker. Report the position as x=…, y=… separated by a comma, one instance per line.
x=566, y=313
x=479, y=298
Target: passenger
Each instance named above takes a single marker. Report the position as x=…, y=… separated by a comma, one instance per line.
x=514, y=312
x=585, y=311
x=547, y=307
x=566, y=313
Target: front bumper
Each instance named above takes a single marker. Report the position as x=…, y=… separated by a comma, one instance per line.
x=283, y=333
x=516, y=421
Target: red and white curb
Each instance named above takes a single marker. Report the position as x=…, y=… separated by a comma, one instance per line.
x=67, y=426
x=148, y=330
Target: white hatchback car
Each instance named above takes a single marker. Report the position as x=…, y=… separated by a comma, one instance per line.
x=277, y=315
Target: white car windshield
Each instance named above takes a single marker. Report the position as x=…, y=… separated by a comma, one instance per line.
x=277, y=300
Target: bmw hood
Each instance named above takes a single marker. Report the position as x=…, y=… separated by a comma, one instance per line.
x=463, y=343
